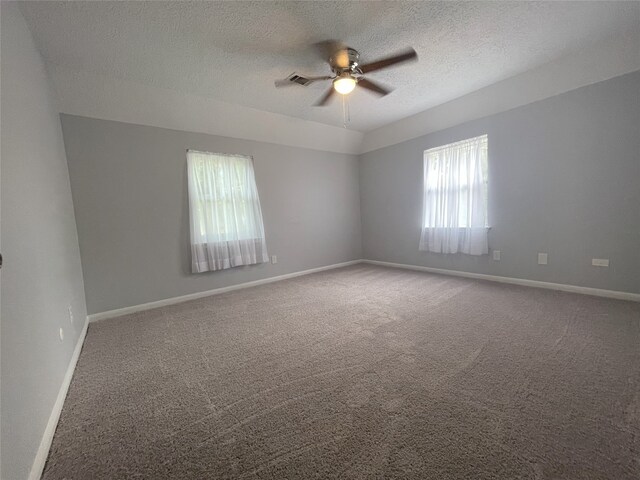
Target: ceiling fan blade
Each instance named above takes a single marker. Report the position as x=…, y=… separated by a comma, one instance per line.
x=325, y=98
x=334, y=52
x=374, y=87
x=285, y=82
x=405, y=56
x=327, y=48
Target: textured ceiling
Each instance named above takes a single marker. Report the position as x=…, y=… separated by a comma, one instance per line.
x=233, y=51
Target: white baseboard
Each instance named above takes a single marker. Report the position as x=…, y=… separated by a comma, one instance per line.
x=493, y=278
x=635, y=297
x=50, y=430
x=193, y=296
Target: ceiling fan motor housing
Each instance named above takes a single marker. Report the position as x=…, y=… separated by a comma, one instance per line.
x=345, y=61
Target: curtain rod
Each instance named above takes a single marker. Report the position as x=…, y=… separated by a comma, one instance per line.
x=220, y=154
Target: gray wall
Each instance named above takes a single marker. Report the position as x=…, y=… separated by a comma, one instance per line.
x=564, y=178
x=130, y=193
x=41, y=275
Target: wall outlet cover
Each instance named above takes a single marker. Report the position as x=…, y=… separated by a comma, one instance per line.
x=496, y=255
x=542, y=259
x=274, y=259
x=600, y=262
x=61, y=334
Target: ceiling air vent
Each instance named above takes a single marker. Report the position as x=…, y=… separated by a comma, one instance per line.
x=295, y=78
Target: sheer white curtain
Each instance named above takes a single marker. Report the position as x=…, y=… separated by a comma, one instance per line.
x=455, y=198
x=224, y=210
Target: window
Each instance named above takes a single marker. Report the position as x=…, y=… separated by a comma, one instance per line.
x=224, y=211
x=455, y=198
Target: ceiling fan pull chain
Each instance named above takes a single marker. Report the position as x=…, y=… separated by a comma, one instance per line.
x=344, y=112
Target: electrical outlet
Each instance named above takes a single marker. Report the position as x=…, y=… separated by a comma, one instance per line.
x=496, y=255
x=600, y=262
x=70, y=314
x=274, y=259
x=61, y=334
x=542, y=258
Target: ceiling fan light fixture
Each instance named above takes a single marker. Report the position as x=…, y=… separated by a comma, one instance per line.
x=344, y=84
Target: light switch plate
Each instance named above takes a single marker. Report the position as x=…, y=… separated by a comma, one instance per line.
x=600, y=262
x=542, y=259
x=496, y=255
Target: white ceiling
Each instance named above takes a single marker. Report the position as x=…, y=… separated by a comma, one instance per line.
x=233, y=51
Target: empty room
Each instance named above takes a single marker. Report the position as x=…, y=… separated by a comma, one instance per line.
x=320, y=240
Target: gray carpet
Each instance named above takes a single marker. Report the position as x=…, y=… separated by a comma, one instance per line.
x=359, y=373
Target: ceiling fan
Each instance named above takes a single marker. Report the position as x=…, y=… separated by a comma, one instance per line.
x=347, y=71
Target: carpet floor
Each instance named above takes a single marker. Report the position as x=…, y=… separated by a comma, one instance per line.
x=364, y=372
